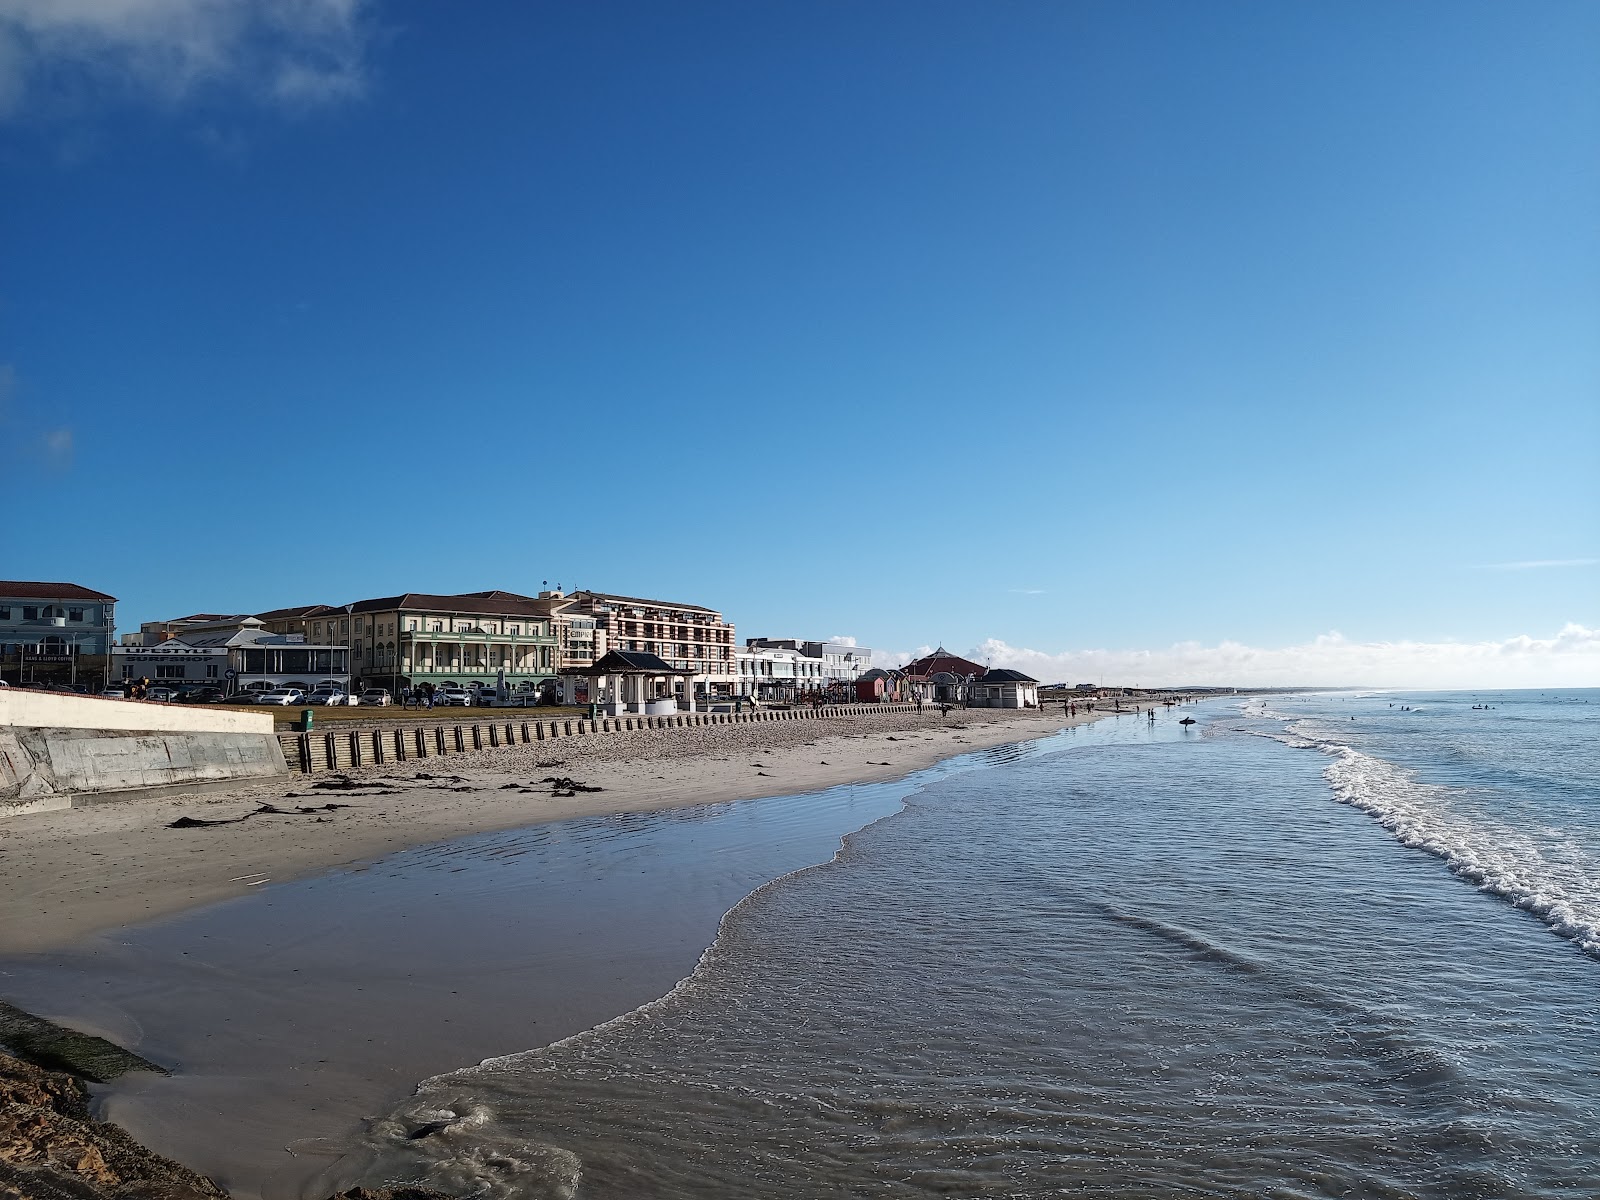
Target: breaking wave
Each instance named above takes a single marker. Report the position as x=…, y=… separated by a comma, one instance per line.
x=1555, y=882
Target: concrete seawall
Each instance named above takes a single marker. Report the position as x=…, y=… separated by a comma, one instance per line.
x=56, y=750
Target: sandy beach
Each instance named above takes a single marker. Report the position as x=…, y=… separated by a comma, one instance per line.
x=75, y=873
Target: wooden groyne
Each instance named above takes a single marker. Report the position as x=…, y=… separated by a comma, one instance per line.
x=339, y=749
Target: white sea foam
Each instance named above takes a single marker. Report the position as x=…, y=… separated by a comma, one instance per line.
x=1555, y=882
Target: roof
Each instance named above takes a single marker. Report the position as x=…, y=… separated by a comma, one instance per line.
x=629, y=662
x=646, y=603
x=1006, y=675
x=507, y=604
x=16, y=589
x=497, y=594
x=304, y=610
x=942, y=660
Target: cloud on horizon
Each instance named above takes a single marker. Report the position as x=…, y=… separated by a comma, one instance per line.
x=296, y=53
x=1571, y=659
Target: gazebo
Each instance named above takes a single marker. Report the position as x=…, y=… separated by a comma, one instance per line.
x=631, y=682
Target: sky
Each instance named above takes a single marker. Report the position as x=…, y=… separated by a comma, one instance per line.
x=1230, y=342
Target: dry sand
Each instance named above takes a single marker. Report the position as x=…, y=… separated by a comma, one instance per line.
x=67, y=875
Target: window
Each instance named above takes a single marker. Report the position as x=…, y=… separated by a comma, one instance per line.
x=127, y=670
x=74, y=614
x=438, y=627
x=344, y=626
x=412, y=625
x=169, y=672
x=316, y=630
x=30, y=612
x=358, y=650
x=211, y=672
x=516, y=630
x=5, y=613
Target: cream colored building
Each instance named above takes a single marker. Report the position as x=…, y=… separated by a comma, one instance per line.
x=688, y=637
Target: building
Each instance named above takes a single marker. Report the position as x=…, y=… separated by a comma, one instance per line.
x=55, y=633
x=942, y=677
x=780, y=673
x=688, y=637
x=302, y=619
x=236, y=654
x=1004, y=688
x=152, y=633
x=842, y=663
x=401, y=641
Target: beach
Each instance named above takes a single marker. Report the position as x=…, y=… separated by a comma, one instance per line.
x=86, y=871
x=109, y=911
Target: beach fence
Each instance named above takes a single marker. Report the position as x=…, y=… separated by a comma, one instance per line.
x=339, y=750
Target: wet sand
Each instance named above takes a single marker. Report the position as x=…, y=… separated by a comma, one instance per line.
x=302, y=1007
x=74, y=873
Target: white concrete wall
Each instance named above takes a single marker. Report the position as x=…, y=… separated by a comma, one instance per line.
x=26, y=708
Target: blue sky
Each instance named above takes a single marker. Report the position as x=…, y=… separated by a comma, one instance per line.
x=1036, y=328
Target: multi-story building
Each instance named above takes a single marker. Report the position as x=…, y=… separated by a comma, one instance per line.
x=307, y=619
x=401, y=641
x=842, y=662
x=55, y=633
x=153, y=633
x=778, y=672
x=688, y=637
x=236, y=654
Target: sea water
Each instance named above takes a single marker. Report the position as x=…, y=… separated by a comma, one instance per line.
x=1326, y=945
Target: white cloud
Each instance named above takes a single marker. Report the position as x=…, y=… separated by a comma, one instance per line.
x=1026, y=591
x=300, y=52
x=1535, y=564
x=839, y=639
x=1569, y=659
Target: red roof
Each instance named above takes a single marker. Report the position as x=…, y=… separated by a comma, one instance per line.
x=15, y=590
x=942, y=660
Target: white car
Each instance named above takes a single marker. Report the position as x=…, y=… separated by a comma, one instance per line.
x=110, y=693
x=446, y=696
x=161, y=694
x=284, y=696
x=326, y=696
x=375, y=696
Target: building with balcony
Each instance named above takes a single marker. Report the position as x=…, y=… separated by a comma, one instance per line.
x=690, y=638
x=778, y=673
x=842, y=662
x=55, y=633
x=400, y=641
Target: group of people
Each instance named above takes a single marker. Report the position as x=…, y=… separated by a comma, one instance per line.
x=420, y=696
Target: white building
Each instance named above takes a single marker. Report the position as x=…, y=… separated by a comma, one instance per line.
x=841, y=661
x=237, y=655
x=1002, y=688
x=778, y=673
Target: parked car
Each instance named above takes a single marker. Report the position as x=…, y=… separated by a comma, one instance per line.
x=161, y=695
x=243, y=698
x=114, y=694
x=283, y=696
x=456, y=695
x=201, y=695
x=378, y=696
x=326, y=696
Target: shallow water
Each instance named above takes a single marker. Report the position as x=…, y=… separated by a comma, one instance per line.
x=291, y=1014
x=1283, y=954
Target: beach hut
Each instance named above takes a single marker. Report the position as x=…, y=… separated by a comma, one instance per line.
x=1004, y=688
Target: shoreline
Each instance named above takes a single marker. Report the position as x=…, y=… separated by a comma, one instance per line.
x=164, y=882
x=74, y=874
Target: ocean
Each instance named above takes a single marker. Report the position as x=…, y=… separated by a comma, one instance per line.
x=1324, y=945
